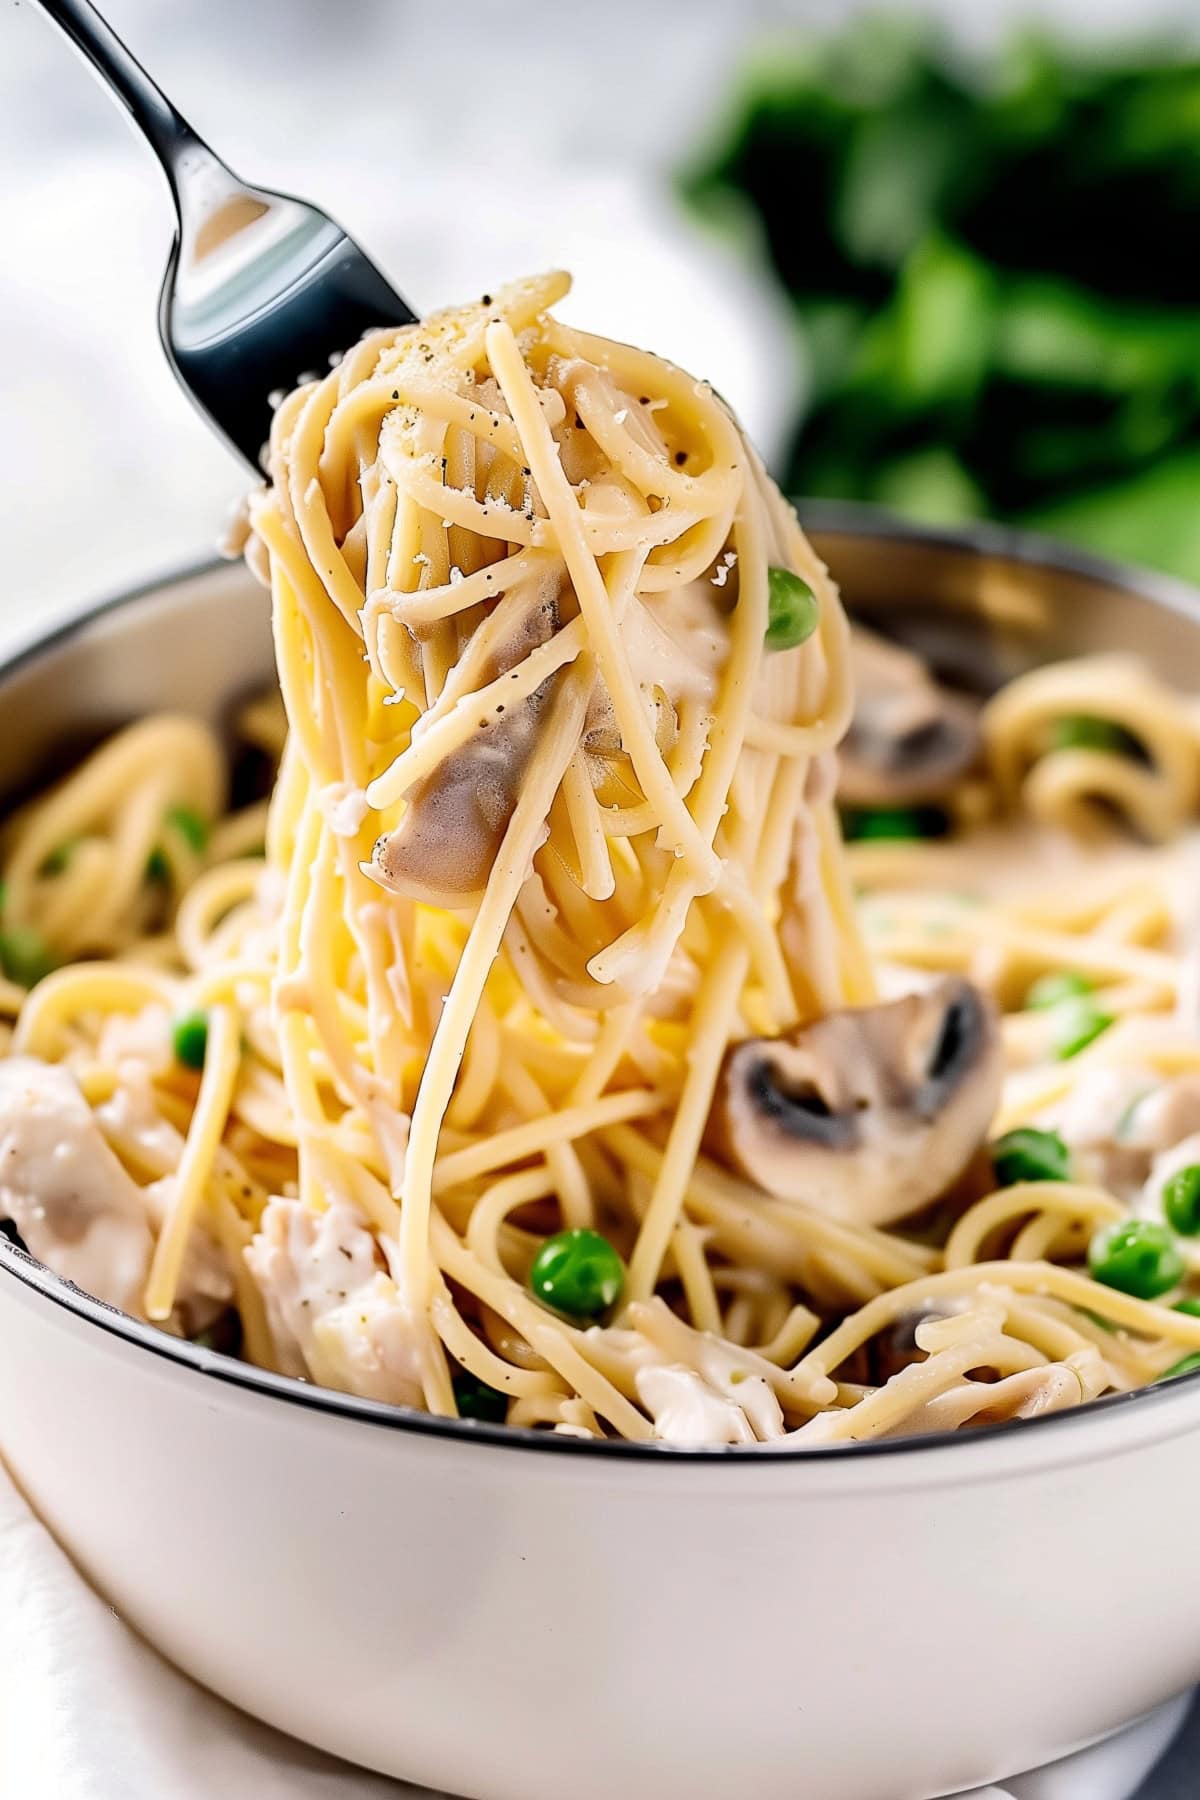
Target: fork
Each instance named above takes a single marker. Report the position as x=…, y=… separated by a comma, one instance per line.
x=261, y=290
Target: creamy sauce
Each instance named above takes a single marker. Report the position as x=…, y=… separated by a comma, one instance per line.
x=136, y=1129
x=141, y=1039
x=677, y=642
x=343, y=807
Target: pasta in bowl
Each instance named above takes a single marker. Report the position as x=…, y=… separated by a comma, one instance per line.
x=389, y=1573
x=540, y=1053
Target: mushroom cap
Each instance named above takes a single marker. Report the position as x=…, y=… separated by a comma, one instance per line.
x=910, y=739
x=867, y=1114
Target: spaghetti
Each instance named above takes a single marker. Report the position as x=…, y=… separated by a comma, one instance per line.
x=531, y=1058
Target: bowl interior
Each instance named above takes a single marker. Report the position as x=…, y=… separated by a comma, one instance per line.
x=198, y=643
x=984, y=606
x=981, y=607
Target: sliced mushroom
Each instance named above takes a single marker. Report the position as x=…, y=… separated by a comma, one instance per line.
x=868, y=1114
x=443, y=849
x=910, y=739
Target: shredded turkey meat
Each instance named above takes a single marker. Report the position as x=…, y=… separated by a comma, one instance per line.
x=305, y=1264
x=75, y=1206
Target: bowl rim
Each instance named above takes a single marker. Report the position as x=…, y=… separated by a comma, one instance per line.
x=820, y=517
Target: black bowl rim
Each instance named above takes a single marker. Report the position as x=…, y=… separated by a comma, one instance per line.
x=821, y=518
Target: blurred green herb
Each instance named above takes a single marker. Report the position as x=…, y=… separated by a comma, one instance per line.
x=992, y=274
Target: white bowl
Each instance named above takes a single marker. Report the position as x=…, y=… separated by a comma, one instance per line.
x=522, y=1617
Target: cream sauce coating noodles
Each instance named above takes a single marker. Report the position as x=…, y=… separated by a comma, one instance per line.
x=531, y=1056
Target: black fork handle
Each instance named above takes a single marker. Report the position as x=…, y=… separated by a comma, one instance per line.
x=162, y=124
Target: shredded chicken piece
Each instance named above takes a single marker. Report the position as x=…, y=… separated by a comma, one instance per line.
x=1118, y=1121
x=724, y=1397
x=369, y=1345
x=75, y=1206
x=306, y=1264
x=687, y=1411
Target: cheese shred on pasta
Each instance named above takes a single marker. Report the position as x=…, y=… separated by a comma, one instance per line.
x=550, y=928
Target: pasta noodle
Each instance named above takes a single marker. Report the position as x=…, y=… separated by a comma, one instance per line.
x=533, y=1055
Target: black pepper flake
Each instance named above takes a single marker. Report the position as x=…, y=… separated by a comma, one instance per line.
x=680, y=457
x=395, y=393
x=645, y=400
x=486, y=301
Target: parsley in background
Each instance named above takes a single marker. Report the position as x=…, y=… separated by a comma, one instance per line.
x=994, y=275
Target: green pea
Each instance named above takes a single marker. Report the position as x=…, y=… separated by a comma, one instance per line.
x=1190, y=1305
x=792, y=610
x=189, y=1039
x=60, y=856
x=1181, y=1200
x=1028, y=1154
x=189, y=824
x=476, y=1400
x=577, y=1273
x=1048, y=990
x=24, y=955
x=1184, y=1366
x=1085, y=731
x=1136, y=1256
x=869, y=823
x=1080, y=1022
x=192, y=828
